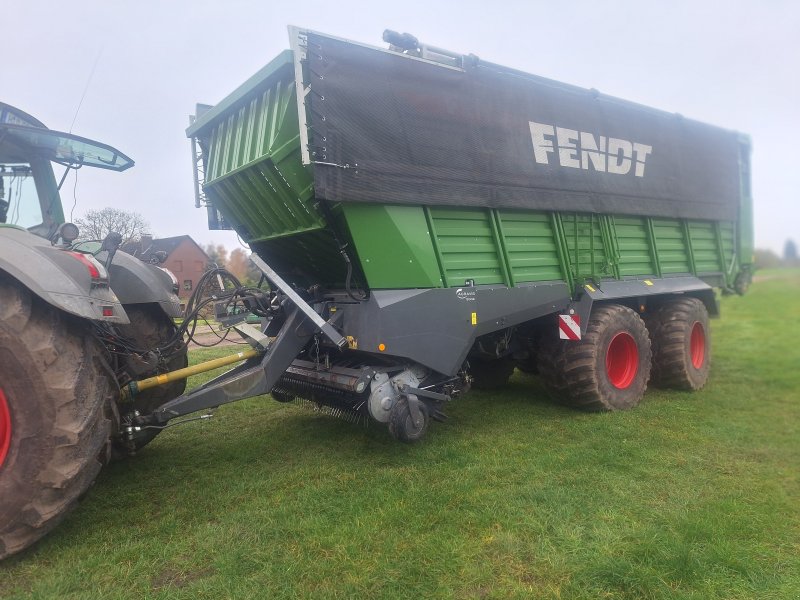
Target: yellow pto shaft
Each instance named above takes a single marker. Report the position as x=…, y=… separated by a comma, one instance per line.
x=129, y=391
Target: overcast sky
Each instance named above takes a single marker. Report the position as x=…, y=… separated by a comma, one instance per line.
x=733, y=64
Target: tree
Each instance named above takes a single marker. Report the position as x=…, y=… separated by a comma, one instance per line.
x=254, y=274
x=218, y=254
x=790, y=253
x=97, y=224
x=766, y=259
x=237, y=263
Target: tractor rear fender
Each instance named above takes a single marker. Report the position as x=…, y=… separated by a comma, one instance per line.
x=137, y=282
x=57, y=277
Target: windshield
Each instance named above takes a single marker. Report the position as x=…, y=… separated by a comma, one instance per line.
x=19, y=201
x=68, y=149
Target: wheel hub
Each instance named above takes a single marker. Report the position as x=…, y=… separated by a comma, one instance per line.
x=697, y=345
x=5, y=427
x=622, y=360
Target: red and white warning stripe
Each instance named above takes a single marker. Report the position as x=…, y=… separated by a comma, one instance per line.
x=569, y=327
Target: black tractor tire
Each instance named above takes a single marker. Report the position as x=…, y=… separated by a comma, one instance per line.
x=56, y=398
x=607, y=369
x=490, y=374
x=401, y=425
x=150, y=328
x=681, y=341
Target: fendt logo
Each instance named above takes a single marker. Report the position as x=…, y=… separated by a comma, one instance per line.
x=579, y=149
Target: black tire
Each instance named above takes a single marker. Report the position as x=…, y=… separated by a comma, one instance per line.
x=606, y=370
x=401, y=425
x=681, y=338
x=490, y=374
x=150, y=328
x=57, y=392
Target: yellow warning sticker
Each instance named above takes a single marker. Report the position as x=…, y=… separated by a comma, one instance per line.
x=648, y=282
x=474, y=318
x=590, y=288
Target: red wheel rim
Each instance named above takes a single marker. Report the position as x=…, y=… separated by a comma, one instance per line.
x=697, y=345
x=5, y=428
x=622, y=360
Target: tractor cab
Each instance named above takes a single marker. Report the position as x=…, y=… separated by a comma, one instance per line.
x=29, y=192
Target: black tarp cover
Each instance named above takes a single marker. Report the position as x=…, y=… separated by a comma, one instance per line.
x=410, y=132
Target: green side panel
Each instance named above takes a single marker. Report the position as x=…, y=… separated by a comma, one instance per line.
x=673, y=253
x=394, y=245
x=585, y=249
x=467, y=247
x=254, y=175
x=704, y=245
x=531, y=246
x=633, y=243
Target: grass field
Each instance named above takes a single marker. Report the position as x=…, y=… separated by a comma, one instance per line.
x=688, y=496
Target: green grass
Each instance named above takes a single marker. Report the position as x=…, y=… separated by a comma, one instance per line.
x=688, y=496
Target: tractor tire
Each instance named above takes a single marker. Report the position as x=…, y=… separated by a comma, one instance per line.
x=56, y=397
x=606, y=370
x=680, y=335
x=150, y=328
x=490, y=374
x=401, y=425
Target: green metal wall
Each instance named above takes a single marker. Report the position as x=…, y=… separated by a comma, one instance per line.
x=404, y=246
x=253, y=170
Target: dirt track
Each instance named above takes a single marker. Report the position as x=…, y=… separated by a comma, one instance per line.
x=206, y=337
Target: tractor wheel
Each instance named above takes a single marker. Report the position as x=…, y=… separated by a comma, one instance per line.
x=150, y=328
x=56, y=396
x=681, y=341
x=608, y=369
x=490, y=374
x=401, y=424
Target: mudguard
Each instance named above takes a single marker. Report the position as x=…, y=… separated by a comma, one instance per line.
x=57, y=277
x=60, y=279
x=137, y=282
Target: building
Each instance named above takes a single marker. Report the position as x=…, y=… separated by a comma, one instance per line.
x=182, y=255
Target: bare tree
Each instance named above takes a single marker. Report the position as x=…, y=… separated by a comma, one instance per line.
x=97, y=224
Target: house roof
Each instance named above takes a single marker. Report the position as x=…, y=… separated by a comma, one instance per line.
x=146, y=247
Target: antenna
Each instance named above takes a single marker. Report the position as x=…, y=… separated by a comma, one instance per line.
x=86, y=87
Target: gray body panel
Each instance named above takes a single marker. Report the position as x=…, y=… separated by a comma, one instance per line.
x=55, y=277
x=434, y=327
x=62, y=281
